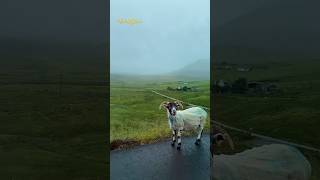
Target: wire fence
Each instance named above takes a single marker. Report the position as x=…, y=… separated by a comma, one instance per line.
x=178, y=100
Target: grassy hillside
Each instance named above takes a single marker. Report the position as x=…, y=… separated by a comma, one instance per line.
x=291, y=114
x=135, y=115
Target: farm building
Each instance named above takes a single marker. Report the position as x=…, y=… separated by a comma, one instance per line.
x=244, y=69
x=183, y=88
x=221, y=86
x=261, y=87
x=241, y=85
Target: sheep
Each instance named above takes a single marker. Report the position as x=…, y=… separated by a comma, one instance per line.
x=193, y=118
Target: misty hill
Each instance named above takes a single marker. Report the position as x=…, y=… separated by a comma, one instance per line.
x=27, y=60
x=26, y=48
x=197, y=70
x=286, y=28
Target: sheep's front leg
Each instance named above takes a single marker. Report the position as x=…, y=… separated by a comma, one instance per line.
x=174, y=133
x=179, y=139
x=199, y=136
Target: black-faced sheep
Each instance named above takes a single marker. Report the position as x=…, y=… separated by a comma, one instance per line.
x=193, y=118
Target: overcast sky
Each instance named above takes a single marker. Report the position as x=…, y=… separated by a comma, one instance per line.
x=173, y=34
x=53, y=20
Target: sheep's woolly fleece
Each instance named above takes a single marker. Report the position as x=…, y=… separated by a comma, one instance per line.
x=190, y=118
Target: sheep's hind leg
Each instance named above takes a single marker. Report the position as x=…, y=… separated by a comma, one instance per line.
x=174, y=132
x=199, y=136
x=179, y=139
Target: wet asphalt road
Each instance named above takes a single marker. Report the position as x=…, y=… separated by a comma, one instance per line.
x=161, y=161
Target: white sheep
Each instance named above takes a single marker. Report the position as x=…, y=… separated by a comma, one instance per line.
x=189, y=119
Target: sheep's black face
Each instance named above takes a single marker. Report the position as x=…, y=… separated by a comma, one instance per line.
x=172, y=108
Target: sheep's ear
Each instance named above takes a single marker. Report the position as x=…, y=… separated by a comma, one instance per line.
x=178, y=103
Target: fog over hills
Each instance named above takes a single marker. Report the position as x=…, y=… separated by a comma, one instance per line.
x=41, y=35
x=225, y=11
x=43, y=28
x=197, y=70
x=59, y=20
x=286, y=28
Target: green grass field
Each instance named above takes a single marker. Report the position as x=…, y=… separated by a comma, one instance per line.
x=50, y=130
x=135, y=114
x=291, y=115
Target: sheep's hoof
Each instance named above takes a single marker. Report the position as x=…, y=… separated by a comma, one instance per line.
x=179, y=147
x=197, y=142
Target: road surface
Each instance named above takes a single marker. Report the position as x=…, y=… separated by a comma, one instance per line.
x=161, y=161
